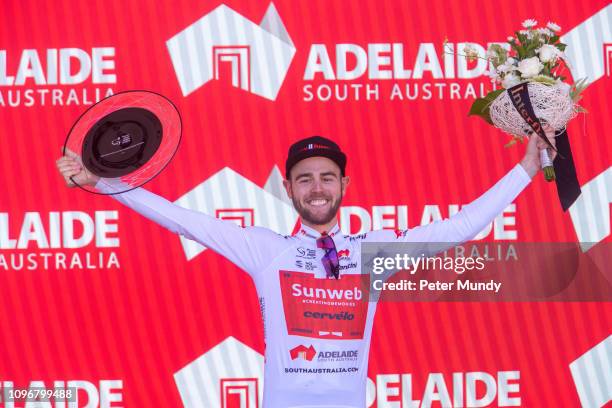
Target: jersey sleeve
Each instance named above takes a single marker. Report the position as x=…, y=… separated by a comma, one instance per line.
x=249, y=248
x=468, y=222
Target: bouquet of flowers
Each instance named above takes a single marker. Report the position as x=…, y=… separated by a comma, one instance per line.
x=533, y=57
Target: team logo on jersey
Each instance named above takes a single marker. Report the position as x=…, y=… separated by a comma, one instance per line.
x=308, y=265
x=344, y=254
x=306, y=253
x=326, y=356
x=400, y=233
x=325, y=308
x=303, y=352
x=358, y=237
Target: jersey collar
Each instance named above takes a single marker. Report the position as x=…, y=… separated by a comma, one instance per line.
x=305, y=232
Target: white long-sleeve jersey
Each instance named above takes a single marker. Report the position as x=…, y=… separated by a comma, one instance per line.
x=317, y=330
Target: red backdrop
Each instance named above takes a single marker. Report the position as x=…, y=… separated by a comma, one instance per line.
x=157, y=311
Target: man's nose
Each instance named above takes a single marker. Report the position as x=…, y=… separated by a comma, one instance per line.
x=317, y=186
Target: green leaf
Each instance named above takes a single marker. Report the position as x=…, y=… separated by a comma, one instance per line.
x=553, y=39
x=580, y=109
x=543, y=79
x=480, y=107
x=577, y=89
x=561, y=46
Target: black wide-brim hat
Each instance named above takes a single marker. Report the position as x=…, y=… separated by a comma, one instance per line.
x=312, y=147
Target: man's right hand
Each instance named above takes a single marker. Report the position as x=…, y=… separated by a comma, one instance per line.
x=70, y=166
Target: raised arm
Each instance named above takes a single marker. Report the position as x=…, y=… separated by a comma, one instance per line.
x=242, y=246
x=473, y=217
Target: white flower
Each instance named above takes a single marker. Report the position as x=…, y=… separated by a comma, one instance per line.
x=527, y=33
x=510, y=80
x=530, y=67
x=548, y=53
x=510, y=38
x=553, y=26
x=529, y=23
x=545, y=31
x=492, y=74
x=507, y=66
x=501, y=68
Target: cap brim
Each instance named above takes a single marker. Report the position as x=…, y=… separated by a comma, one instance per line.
x=334, y=155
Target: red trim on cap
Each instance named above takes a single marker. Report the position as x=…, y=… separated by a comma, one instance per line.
x=312, y=146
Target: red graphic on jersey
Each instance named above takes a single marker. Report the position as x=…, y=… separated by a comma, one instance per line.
x=325, y=308
x=303, y=353
x=344, y=253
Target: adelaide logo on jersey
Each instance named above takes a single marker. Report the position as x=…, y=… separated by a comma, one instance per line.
x=309, y=353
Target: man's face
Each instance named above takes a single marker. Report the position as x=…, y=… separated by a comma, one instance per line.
x=316, y=188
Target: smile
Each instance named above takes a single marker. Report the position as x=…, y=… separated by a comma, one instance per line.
x=317, y=203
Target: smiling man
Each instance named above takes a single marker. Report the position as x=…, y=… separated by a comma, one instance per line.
x=310, y=284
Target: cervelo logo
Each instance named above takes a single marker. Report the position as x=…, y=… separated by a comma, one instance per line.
x=299, y=290
x=232, y=196
x=303, y=352
x=228, y=375
x=258, y=55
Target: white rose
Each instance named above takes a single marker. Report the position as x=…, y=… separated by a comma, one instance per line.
x=548, y=53
x=529, y=23
x=553, y=26
x=530, y=67
x=510, y=80
x=492, y=74
x=544, y=32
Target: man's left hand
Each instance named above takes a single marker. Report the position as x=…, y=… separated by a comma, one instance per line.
x=531, y=162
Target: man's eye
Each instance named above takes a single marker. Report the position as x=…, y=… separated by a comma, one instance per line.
x=328, y=180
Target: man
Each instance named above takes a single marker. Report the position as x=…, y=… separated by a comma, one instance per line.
x=294, y=275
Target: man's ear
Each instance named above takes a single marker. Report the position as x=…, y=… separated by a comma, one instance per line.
x=345, y=182
x=287, y=185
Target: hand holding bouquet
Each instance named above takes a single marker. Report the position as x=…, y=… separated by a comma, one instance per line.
x=534, y=93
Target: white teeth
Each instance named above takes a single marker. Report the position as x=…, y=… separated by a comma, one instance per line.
x=317, y=202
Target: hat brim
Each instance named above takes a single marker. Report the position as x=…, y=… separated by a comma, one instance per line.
x=334, y=155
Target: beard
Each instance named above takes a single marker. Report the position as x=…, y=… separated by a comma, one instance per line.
x=319, y=218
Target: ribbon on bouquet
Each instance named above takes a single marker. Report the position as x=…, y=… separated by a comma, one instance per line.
x=568, y=188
